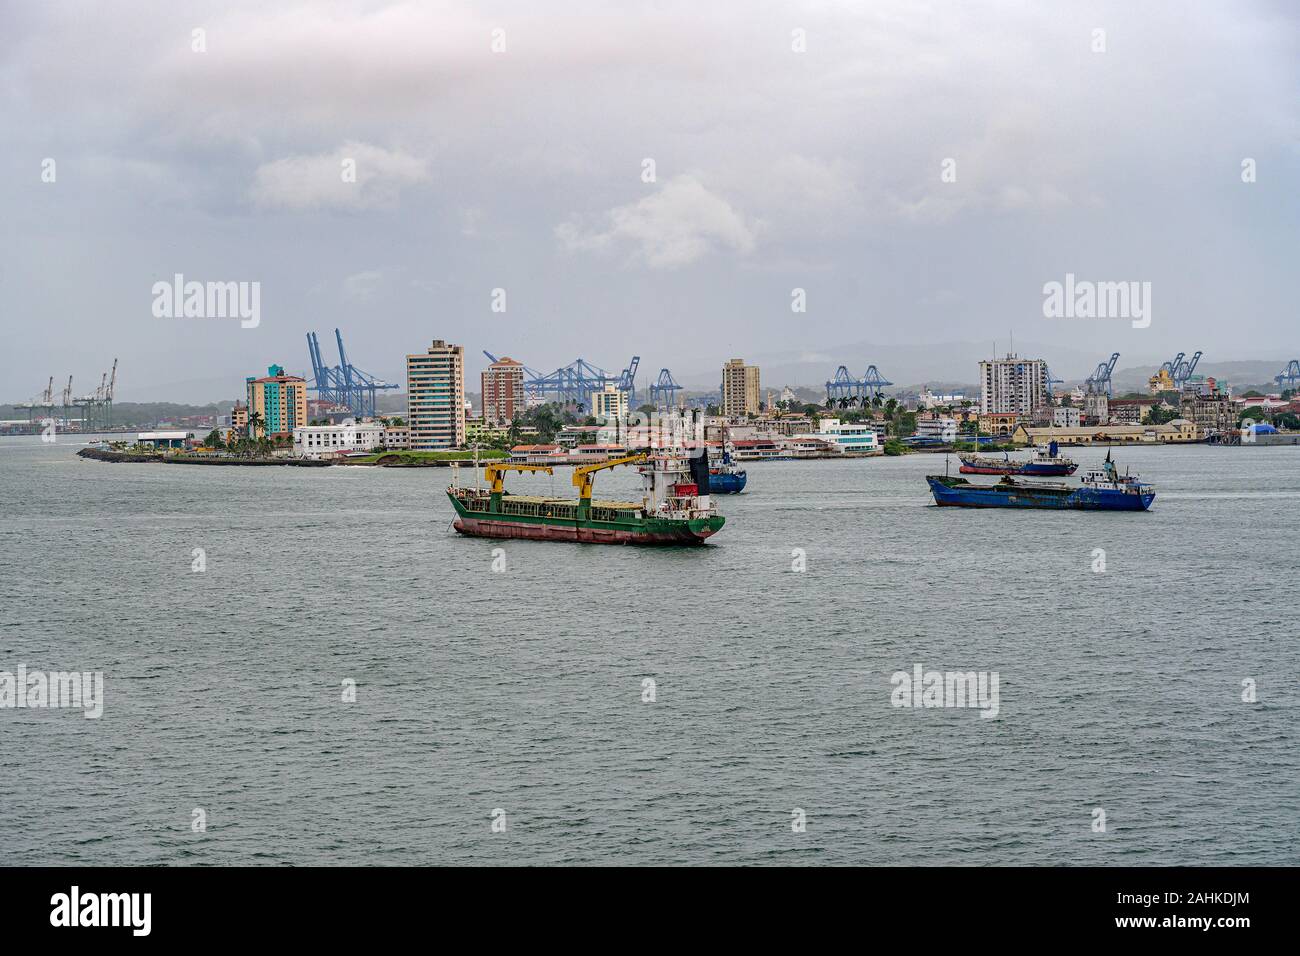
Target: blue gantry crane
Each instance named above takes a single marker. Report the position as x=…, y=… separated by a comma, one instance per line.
x=574, y=383
x=855, y=390
x=343, y=384
x=1182, y=369
x=1100, y=380
x=663, y=392
x=1290, y=375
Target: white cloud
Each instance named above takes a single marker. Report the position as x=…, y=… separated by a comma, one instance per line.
x=325, y=181
x=363, y=286
x=675, y=226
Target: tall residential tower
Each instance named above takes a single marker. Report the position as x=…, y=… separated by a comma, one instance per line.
x=739, y=388
x=1012, y=385
x=503, y=391
x=435, y=397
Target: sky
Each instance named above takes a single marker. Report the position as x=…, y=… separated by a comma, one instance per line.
x=919, y=170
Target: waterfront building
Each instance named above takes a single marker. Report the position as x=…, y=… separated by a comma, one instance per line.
x=503, y=391
x=163, y=439
x=328, y=441
x=279, y=401
x=998, y=424
x=940, y=429
x=1179, y=431
x=740, y=389
x=397, y=437
x=238, y=420
x=1131, y=411
x=1065, y=416
x=1210, y=407
x=435, y=397
x=782, y=425
x=1012, y=385
x=609, y=405
x=846, y=437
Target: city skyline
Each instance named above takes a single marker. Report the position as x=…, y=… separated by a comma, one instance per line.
x=522, y=171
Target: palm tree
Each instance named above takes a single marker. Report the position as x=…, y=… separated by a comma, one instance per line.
x=255, y=423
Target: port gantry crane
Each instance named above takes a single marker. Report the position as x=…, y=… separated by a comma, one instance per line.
x=576, y=382
x=344, y=384
x=1100, y=380
x=849, y=390
x=1182, y=370
x=1290, y=375
x=663, y=393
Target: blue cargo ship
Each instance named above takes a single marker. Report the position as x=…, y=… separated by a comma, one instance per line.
x=725, y=478
x=1103, y=490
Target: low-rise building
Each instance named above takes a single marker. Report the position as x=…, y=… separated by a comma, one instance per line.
x=331, y=441
x=1065, y=416
x=1179, y=431
x=998, y=424
x=1131, y=411
x=163, y=439
x=397, y=437
x=846, y=437
x=1210, y=407
x=937, y=429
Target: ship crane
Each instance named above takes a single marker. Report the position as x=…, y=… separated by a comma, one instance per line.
x=496, y=473
x=584, y=476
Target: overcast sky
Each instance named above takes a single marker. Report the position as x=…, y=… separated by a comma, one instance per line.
x=523, y=170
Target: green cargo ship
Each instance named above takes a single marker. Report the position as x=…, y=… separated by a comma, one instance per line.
x=676, y=507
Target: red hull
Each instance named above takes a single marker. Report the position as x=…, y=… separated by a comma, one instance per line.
x=537, y=532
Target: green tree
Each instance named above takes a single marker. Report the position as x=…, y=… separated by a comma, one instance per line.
x=214, y=439
x=255, y=423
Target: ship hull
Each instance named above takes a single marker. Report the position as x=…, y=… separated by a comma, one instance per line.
x=633, y=530
x=1030, y=469
x=732, y=483
x=962, y=494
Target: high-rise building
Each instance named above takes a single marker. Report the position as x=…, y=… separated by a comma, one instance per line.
x=503, y=391
x=435, y=397
x=739, y=388
x=277, y=403
x=609, y=404
x=1012, y=385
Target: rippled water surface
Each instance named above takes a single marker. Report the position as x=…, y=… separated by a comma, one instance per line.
x=522, y=690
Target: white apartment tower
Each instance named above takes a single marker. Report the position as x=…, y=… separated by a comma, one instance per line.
x=1012, y=385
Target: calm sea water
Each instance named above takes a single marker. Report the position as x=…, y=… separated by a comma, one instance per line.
x=522, y=689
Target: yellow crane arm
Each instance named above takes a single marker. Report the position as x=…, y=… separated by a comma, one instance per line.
x=495, y=473
x=583, y=475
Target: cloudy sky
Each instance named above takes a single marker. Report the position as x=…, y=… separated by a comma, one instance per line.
x=523, y=169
